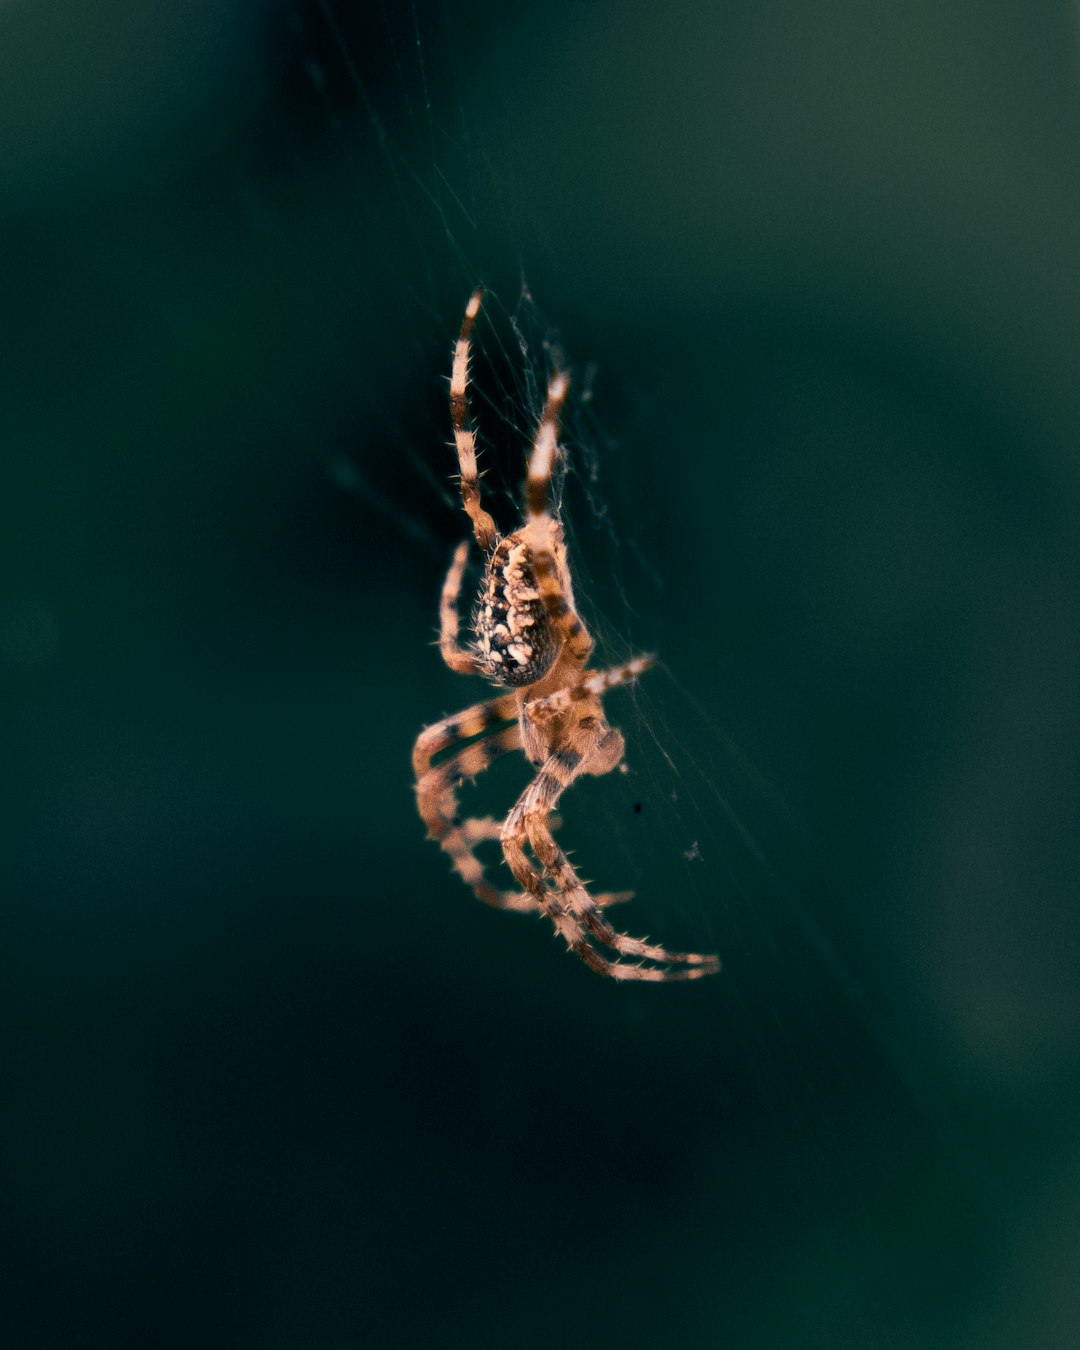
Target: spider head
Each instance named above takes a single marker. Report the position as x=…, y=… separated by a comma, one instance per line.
x=515, y=642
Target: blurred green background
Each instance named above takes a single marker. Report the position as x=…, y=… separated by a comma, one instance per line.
x=270, y=1076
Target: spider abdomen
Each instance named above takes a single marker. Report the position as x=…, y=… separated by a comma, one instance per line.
x=514, y=643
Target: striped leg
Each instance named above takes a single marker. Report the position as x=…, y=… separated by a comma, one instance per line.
x=437, y=797
x=463, y=726
x=464, y=439
x=455, y=656
x=543, y=532
x=595, y=683
x=572, y=910
x=437, y=801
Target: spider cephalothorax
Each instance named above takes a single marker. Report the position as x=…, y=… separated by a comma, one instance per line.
x=529, y=639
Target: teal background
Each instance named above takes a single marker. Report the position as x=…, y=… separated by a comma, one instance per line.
x=271, y=1077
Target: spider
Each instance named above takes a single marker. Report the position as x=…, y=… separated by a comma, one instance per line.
x=530, y=639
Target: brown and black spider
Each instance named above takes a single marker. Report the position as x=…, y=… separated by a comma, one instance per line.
x=529, y=636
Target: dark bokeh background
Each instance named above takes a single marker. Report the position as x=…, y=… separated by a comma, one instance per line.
x=270, y=1077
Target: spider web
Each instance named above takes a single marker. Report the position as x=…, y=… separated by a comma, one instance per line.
x=374, y=1111
x=786, y=1059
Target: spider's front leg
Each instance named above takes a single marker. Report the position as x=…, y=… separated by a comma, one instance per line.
x=544, y=533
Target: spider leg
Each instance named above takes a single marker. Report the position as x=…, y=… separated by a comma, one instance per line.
x=459, y=836
x=455, y=656
x=544, y=534
x=464, y=439
x=593, y=685
x=462, y=726
x=437, y=797
x=573, y=911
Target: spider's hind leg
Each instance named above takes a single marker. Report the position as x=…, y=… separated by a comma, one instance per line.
x=436, y=790
x=573, y=911
x=455, y=656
